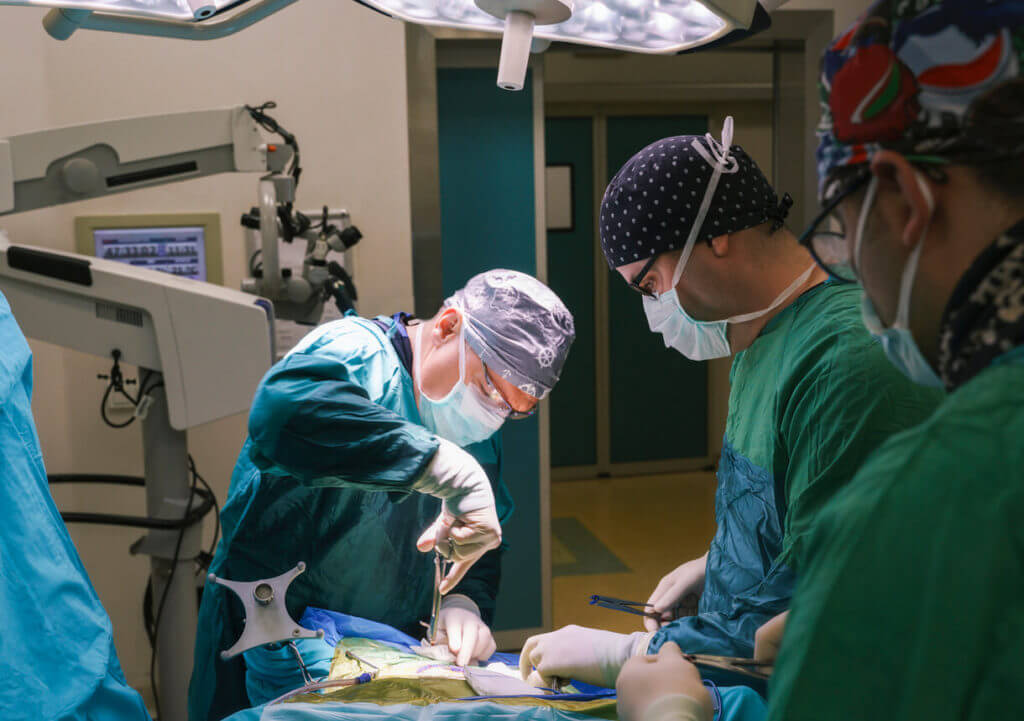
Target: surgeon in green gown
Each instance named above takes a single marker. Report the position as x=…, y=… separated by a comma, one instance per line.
x=911, y=605
x=355, y=465
x=693, y=225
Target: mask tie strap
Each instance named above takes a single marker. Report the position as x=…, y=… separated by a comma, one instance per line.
x=462, y=347
x=721, y=159
x=910, y=271
x=862, y=221
x=801, y=279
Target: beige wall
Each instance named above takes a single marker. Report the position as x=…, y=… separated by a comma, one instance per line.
x=337, y=71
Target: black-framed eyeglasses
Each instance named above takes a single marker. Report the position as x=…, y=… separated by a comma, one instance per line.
x=829, y=246
x=499, y=400
x=639, y=278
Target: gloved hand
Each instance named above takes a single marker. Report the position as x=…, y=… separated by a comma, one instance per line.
x=662, y=687
x=768, y=638
x=584, y=654
x=468, y=525
x=682, y=587
x=461, y=627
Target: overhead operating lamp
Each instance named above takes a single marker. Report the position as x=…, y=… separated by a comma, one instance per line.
x=643, y=26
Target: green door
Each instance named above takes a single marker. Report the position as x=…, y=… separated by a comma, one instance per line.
x=658, y=398
x=656, y=407
x=571, y=254
x=485, y=138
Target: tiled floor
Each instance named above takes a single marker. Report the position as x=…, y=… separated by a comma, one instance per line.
x=619, y=536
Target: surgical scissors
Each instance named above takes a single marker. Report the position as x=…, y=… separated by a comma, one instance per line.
x=744, y=666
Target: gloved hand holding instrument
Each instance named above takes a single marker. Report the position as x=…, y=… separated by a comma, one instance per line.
x=468, y=525
x=677, y=594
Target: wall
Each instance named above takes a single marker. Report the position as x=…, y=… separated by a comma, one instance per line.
x=337, y=71
x=846, y=11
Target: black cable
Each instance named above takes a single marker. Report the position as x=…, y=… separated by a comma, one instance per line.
x=103, y=409
x=163, y=601
x=117, y=383
x=269, y=124
x=95, y=478
x=216, y=506
x=147, y=612
x=252, y=259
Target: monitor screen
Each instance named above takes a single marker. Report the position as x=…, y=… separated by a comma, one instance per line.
x=179, y=250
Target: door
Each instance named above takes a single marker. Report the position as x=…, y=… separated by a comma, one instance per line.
x=487, y=171
x=658, y=398
x=625, y=404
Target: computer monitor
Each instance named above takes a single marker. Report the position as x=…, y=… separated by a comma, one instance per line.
x=183, y=244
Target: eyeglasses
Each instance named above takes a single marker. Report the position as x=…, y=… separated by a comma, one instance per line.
x=639, y=277
x=829, y=246
x=494, y=395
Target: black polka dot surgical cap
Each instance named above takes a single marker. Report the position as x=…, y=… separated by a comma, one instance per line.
x=653, y=201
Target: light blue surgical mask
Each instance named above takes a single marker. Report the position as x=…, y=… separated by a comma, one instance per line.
x=698, y=339
x=897, y=340
x=463, y=416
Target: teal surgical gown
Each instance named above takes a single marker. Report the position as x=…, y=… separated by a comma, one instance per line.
x=811, y=398
x=335, y=444
x=57, y=658
x=911, y=606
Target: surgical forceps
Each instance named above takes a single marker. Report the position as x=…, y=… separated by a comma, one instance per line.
x=442, y=565
x=636, y=607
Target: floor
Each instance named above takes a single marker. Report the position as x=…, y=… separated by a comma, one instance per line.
x=619, y=536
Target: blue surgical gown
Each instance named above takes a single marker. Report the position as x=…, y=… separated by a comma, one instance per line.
x=810, y=399
x=57, y=657
x=335, y=444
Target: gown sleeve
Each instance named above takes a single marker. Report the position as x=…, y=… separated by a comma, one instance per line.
x=313, y=419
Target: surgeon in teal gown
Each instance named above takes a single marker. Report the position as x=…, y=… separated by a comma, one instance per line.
x=57, y=657
x=337, y=446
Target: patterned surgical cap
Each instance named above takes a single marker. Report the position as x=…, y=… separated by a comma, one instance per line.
x=652, y=202
x=518, y=327
x=912, y=77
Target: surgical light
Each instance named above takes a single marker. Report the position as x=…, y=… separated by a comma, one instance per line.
x=643, y=26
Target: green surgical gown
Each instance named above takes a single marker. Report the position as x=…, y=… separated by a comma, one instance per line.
x=810, y=399
x=911, y=606
x=335, y=444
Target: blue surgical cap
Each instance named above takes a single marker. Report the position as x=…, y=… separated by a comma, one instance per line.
x=520, y=329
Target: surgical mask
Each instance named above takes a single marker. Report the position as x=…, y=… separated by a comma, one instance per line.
x=897, y=340
x=463, y=416
x=703, y=340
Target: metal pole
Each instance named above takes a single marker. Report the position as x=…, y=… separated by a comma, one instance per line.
x=268, y=239
x=167, y=496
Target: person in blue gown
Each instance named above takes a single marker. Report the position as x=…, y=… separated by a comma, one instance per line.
x=369, y=443
x=57, y=657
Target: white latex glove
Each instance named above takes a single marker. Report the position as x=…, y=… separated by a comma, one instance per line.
x=463, y=630
x=682, y=587
x=468, y=519
x=768, y=638
x=584, y=654
x=662, y=687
